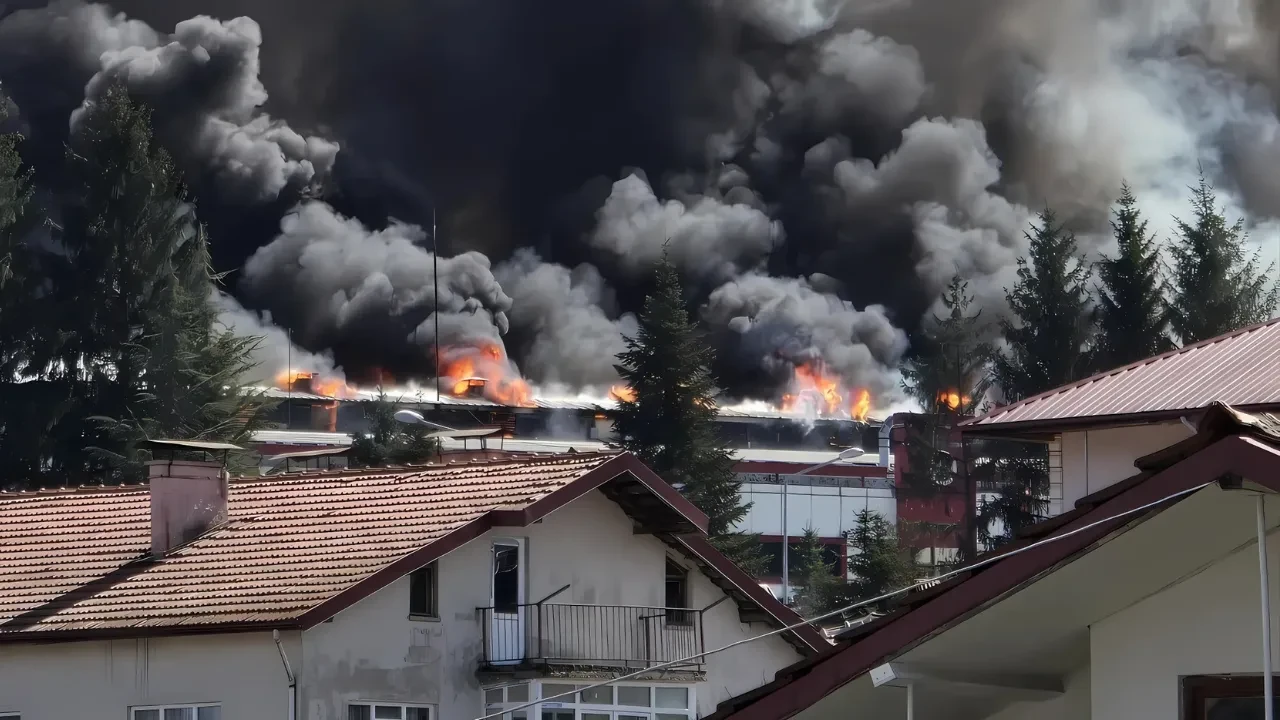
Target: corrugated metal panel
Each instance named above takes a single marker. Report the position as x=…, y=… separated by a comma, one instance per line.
x=291, y=542
x=1241, y=369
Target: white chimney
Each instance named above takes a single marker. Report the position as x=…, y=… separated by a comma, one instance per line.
x=187, y=498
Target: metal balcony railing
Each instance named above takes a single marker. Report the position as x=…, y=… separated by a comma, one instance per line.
x=593, y=635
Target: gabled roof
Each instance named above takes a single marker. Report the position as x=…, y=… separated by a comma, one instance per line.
x=298, y=548
x=1237, y=369
x=1230, y=445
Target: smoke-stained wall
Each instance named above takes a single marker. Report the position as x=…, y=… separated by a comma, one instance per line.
x=816, y=169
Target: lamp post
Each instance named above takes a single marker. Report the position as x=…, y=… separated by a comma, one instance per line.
x=413, y=417
x=845, y=454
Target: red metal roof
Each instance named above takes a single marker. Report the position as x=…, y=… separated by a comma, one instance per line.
x=1238, y=369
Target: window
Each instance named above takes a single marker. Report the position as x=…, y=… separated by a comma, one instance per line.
x=202, y=711
x=1222, y=697
x=610, y=702
x=388, y=711
x=506, y=578
x=677, y=594
x=10, y=716
x=422, y=593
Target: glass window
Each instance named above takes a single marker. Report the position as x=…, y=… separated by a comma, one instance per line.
x=174, y=712
x=387, y=711
x=671, y=697
x=594, y=716
x=422, y=592
x=677, y=596
x=633, y=696
x=506, y=578
x=417, y=713
x=597, y=696
x=669, y=716
x=1226, y=697
x=493, y=695
x=625, y=716
x=551, y=690
x=518, y=693
x=209, y=712
x=146, y=715
x=359, y=712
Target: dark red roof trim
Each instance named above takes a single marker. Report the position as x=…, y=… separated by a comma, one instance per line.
x=809, y=681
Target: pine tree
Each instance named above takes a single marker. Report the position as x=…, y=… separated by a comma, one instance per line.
x=125, y=347
x=1217, y=286
x=818, y=587
x=671, y=422
x=1133, y=316
x=391, y=442
x=876, y=561
x=15, y=193
x=1047, y=339
x=948, y=376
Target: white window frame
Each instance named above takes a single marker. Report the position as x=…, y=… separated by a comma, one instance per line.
x=573, y=704
x=134, y=710
x=431, y=709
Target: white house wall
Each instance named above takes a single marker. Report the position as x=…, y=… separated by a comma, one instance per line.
x=1095, y=459
x=1073, y=704
x=373, y=651
x=102, y=680
x=1208, y=624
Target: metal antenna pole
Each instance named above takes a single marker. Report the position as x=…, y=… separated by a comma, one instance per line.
x=288, y=380
x=1268, y=698
x=435, y=288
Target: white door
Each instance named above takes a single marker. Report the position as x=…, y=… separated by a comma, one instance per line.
x=506, y=597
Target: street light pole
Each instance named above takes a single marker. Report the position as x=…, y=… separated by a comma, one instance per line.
x=845, y=454
x=435, y=288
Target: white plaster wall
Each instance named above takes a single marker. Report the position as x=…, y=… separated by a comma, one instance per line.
x=373, y=651
x=1207, y=624
x=1095, y=459
x=1073, y=704
x=102, y=680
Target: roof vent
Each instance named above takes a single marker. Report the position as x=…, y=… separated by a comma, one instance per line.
x=187, y=496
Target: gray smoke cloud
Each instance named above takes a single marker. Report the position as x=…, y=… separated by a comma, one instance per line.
x=335, y=278
x=785, y=322
x=571, y=318
x=201, y=81
x=715, y=231
x=274, y=351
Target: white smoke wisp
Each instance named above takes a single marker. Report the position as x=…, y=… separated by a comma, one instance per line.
x=274, y=353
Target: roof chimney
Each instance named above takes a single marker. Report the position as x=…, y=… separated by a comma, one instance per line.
x=187, y=498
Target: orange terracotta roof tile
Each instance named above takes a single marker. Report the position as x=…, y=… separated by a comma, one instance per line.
x=80, y=560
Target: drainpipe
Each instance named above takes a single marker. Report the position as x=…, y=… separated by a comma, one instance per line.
x=911, y=701
x=288, y=671
x=1268, y=701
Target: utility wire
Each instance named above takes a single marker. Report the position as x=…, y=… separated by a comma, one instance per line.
x=862, y=603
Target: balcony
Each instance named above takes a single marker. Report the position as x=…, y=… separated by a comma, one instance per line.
x=541, y=635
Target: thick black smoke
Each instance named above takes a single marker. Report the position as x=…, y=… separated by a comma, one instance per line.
x=817, y=169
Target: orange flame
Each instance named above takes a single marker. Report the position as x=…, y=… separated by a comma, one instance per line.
x=331, y=387
x=953, y=399
x=484, y=370
x=621, y=393
x=812, y=382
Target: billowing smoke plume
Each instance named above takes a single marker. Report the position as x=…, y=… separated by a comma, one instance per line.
x=335, y=281
x=565, y=145
x=568, y=318
x=273, y=351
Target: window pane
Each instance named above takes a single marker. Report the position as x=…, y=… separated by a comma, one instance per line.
x=598, y=696
x=422, y=591
x=633, y=696
x=669, y=716
x=418, y=713
x=146, y=715
x=1234, y=709
x=518, y=693
x=506, y=578
x=186, y=713
x=622, y=716
x=594, y=716
x=493, y=695
x=212, y=712
x=671, y=697
x=387, y=712
x=550, y=690
x=359, y=712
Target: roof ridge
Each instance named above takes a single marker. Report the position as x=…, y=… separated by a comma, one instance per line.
x=1096, y=377
x=523, y=458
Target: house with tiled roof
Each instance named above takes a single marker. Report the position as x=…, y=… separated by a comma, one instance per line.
x=1156, y=597
x=435, y=592
x=1094, y=429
